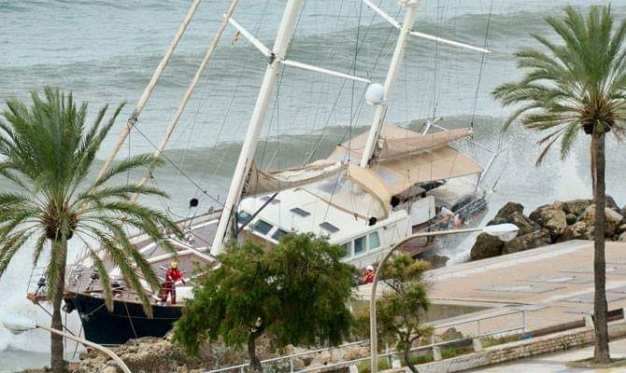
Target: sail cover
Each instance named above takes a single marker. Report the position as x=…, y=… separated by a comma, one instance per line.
x=262, y=182
x=407, y=158
x=392, y=148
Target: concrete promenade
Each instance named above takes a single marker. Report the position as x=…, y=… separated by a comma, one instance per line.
x=555, y=363
x=528, y=291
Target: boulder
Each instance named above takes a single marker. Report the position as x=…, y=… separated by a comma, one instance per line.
x=524, y=224
x=436, y=261
x=576, y=206
x=508, y=209
x=611, y=204
x=486, y=246
x=613, y=219
x=451, y=334
x=528, y=241
x=571, y=218
x=551, y=217
x=577, y=231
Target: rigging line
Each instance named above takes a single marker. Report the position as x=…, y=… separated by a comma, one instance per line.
x=168, y=159
x=354, y=64
x=204, y=175
x=130, y=320
x=482, y=64
x=349, y=130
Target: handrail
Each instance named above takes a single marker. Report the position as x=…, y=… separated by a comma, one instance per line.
x=286, y=358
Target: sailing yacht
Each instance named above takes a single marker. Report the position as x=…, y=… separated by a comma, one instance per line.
x=370, y=192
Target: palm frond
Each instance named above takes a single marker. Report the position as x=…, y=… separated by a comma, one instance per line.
x=10, y=246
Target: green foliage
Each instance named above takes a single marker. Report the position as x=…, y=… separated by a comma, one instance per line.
x=47, y=152
x=498, y=340
x=296, y=293
x=580, y=84
x=365, y=365
x=400, y=312
x=577, y=84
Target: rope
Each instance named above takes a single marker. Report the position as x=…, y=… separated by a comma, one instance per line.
x=482, y=65
x=130, y=320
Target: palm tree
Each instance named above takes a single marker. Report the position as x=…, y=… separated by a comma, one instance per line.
x=46, y=153
x=579, y=84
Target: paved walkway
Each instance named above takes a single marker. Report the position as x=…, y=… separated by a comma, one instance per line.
x=525, y=291
x=555, y=363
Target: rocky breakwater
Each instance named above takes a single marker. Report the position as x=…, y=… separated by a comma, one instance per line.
x=548, y=224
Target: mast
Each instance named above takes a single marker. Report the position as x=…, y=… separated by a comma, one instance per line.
x=390, y=81
x=283, y=37
x=149, y=88
x=183, y=104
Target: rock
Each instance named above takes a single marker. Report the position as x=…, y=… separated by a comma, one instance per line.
x=577, y=231
x=576, y=206
x=622, y=237
x=513, y=213
x=551, y=217
x=486, y=246
x=437, y=261
x=524, y=224
x=613, y=219
x=451, y=334
x=528, y=241
x=508, y=209
x=571, y=218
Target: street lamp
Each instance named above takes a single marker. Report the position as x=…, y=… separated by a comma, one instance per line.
x=505, y=232
x=18, y=324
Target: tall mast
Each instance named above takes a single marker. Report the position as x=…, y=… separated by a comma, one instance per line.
x=183, y=104
x=390, y=81
x=143, y=100
x=283, y=37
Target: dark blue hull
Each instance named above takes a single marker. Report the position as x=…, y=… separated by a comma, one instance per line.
x=126, y=321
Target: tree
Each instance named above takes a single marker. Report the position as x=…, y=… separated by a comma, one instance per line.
x=46, y=153
x=579, y=84
x=295, y=293
x=400, y=310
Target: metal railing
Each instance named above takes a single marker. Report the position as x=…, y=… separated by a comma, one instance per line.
x=288, y=362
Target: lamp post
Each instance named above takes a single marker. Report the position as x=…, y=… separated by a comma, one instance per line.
x=505, y=232
x=18, y=324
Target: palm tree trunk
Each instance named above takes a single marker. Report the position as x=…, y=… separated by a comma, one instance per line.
x=56, y=341
x=601, y=353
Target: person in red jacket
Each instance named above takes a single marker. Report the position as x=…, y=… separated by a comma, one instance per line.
x=368, y=276
x=172, y=274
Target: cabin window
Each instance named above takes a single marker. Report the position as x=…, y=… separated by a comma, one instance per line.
x=374, y=241
x=359, y=245
x=243, y=217
x=279, y=234
x=347, y=247
x=300, y=212
x=267, y=198
x=262, y=227
x=329, y=227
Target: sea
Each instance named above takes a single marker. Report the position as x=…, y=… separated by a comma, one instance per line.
x=105, y=51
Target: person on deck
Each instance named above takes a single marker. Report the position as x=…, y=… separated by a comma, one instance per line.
x=368, y=276
x=172, y=274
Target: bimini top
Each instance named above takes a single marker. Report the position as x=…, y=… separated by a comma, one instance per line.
x=406, y=158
